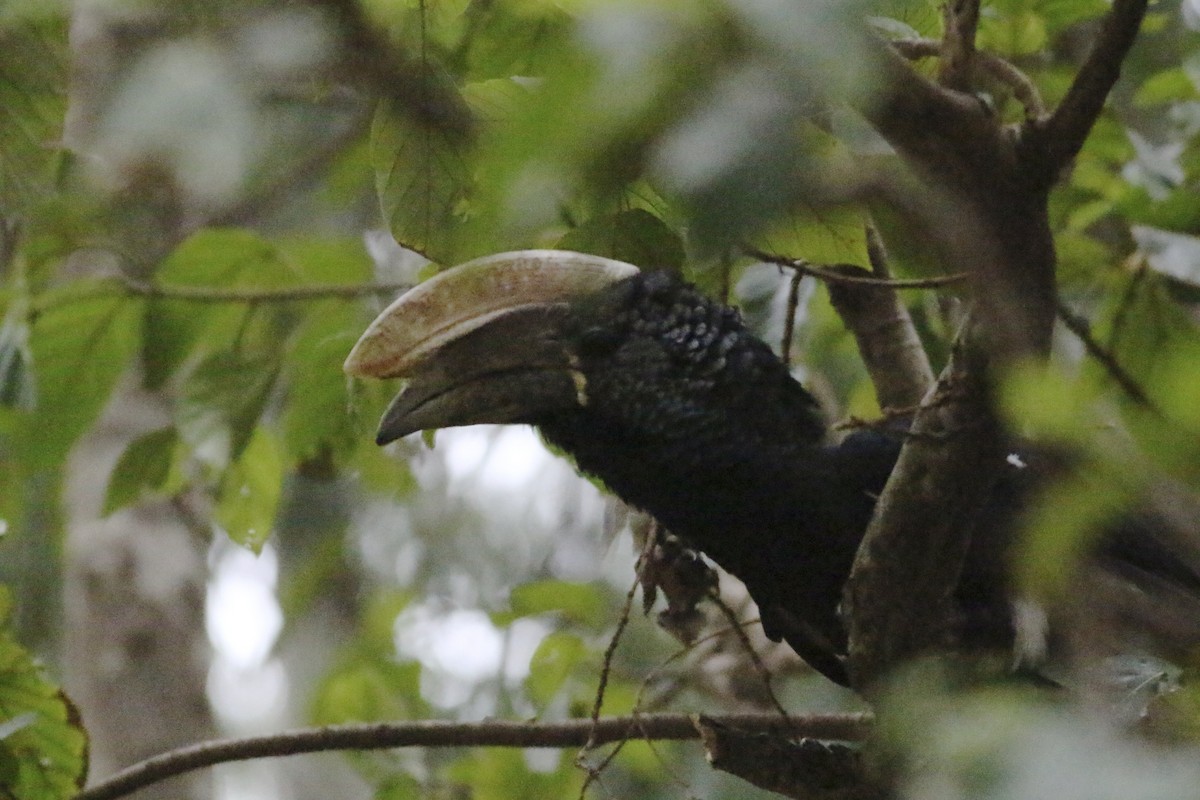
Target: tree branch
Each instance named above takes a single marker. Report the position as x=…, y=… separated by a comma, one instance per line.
x=898, y=601
x=436, y=733
x=958, y=44
x=1007, y=73
x=892, y=352
x=851, y=274
x=1062, y=135
x=806, y=770
x=1079, y=326
x=936, y=128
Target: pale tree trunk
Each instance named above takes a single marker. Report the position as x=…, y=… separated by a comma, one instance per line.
x=135, y=651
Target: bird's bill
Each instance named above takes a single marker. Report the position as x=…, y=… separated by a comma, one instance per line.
x=482, y=342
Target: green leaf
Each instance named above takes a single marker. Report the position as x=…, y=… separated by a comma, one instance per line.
x=833, y=235
x=250, y=492
x=1176, y=211
x=320, y=260
x=219, y=259
x=907, y=18
x=1059, y=14
x=400, y=787
x=221, y=402
x=635, y=236
x=370, y=689
x=423, y=179
x=33, y=77
x=81, y=344
x=516, y=39
x=1043, y=401
x=43, y=748
x=579, y=602
x=552, y=664
x=1168, y=86
x=317, y=412
x=144, y=466
x=502, y=774
x=1015, y=34
x=1063, y=523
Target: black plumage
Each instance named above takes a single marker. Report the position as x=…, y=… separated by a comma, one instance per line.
x=664, y=395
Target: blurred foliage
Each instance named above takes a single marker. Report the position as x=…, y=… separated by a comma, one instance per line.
x=43, y=746
x=194, y=223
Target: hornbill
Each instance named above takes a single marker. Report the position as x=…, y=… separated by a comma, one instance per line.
x=663, y=394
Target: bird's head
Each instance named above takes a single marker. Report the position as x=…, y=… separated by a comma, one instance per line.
x=546, y=336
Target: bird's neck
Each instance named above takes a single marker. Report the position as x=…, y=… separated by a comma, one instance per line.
x=729, y=495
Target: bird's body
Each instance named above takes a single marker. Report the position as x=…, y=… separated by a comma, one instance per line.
x=663, y=395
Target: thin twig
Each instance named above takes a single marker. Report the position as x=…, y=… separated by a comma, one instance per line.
x=744, y=640
x=606, y=666
x=1079, y=326
x=1117, y=329
x=438, y=733
x=826, y=274
x=789, y=320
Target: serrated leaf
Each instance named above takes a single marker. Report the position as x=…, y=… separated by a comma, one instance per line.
x=45, y=747
x=579, y=602
x=250, y=492
x=423, y=180
x=636, y=236
x=81, y=344
x=145, y=465
x=221, y=402
x=833, y=235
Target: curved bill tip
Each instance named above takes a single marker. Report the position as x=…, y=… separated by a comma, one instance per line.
x=463, y=298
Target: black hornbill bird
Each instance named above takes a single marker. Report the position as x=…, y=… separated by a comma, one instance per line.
x=663, y=395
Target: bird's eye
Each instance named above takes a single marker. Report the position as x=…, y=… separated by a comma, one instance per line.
x=598, y=341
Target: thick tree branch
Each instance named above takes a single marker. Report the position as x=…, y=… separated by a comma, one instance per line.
x=958, y=44
x=984, y=212
x=892, y=351
x=898, y=600
x=934, y=127
x=806, y=770
x=492, y=733
x=1062, y=135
